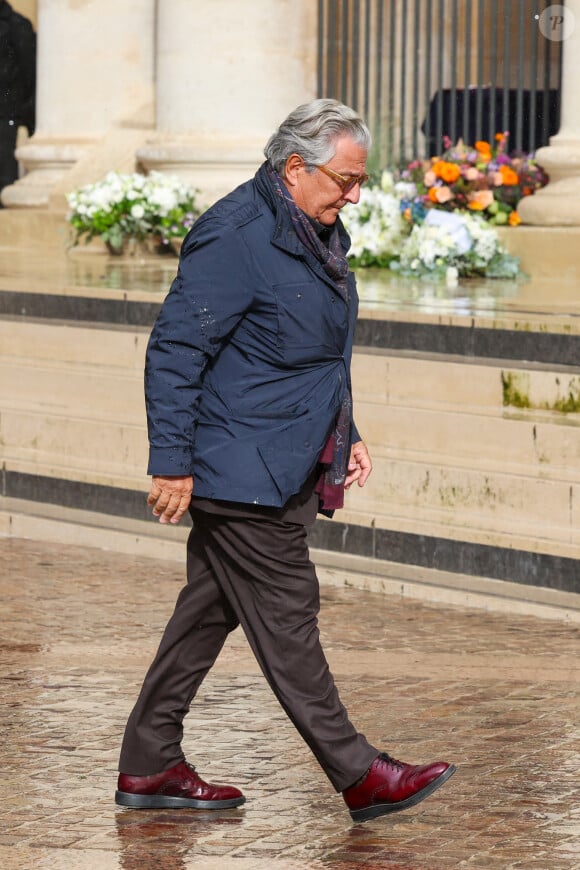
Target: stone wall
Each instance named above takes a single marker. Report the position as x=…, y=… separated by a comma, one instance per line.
x=474, y=430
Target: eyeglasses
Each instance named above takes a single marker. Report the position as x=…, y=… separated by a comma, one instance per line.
x=346, y=183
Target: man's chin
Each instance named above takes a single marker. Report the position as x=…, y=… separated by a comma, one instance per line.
x=328, y=220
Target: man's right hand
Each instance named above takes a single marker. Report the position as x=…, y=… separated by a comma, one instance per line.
x=170, y=497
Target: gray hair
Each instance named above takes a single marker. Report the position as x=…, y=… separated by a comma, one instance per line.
x=311, y=131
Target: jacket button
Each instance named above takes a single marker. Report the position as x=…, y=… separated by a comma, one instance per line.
x=307, y=443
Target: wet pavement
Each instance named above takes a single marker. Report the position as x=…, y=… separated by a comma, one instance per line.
x=496, y=694
x=533, y=303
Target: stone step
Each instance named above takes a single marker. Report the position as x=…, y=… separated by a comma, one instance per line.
x=57, y=388
x=63, y=445
x=385, y=379
x=469, y=451
x=401, y=489
x=391, y=379
x=451, y=457
x=471, y=384
x=529, y=539
x=473, y=499
x=23, y=519
x=514, y=447
x=545, y=444
x=35, y=341
x=446, y=450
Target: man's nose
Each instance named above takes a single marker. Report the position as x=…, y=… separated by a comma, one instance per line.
x=353, y=194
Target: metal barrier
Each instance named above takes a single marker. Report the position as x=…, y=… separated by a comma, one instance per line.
x=420, y=70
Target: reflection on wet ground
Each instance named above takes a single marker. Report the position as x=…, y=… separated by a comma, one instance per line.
x=539, y=304
x=390, y=293
x=494, y=693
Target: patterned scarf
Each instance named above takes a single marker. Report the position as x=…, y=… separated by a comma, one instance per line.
x=335, y=455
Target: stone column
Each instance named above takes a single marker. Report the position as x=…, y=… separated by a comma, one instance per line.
x=558, y=204
x=227, y=73
x=95, y=64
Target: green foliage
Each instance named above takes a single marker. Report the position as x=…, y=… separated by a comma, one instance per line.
x=132, y=206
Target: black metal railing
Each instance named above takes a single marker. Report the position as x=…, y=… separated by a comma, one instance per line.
x=421, y=70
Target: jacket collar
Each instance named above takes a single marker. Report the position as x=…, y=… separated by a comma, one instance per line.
x=284, y=235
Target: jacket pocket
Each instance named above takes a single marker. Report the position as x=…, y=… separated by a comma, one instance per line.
x=289, y=465
x=306, y=316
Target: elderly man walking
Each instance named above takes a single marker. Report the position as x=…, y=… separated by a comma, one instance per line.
x=250, y=421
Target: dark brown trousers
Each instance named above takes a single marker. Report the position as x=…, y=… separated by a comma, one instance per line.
x=254, y=571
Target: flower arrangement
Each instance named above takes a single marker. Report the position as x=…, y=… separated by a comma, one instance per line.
x=132, y=206
x=430, y=243
x=439, y=245
x=482, y=178
x=436, y=218
x=450, y=245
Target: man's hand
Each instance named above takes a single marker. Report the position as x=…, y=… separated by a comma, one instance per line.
x=170, y=497
x=360, y=465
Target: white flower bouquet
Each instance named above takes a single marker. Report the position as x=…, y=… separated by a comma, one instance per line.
x=436, y=244
x=454, y=244
x=375, y=226
x=132, y=206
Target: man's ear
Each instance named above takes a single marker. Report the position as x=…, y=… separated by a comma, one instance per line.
x=293, y=165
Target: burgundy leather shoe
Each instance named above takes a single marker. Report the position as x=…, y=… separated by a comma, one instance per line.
x=180, y=786
x=391, y=785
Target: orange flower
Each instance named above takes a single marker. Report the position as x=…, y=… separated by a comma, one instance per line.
x=407, y=214
x=440, y=194
x=514, y=219
x=499, y=137
x=480, y=199
x=475, y=205
x=509, y=177
x=472, y=174
x=449, y=172
x=483, y=147
x=443, y=193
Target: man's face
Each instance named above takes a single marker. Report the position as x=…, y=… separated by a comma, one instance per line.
x=319, y=195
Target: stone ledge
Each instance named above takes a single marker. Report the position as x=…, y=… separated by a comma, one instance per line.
x=428, y=584
x=469, y=342
x=512, y=543
x=21, y=519
x=545, y=251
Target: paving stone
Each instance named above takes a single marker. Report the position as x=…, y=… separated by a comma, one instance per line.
x=495, y=693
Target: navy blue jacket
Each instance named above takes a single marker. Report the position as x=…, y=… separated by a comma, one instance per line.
x=249, y=359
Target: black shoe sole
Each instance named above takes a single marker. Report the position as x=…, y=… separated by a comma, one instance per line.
x=377, y=810
x=163, y=801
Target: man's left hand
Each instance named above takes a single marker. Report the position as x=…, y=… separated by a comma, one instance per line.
x=360, y=465
x=170, y=497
